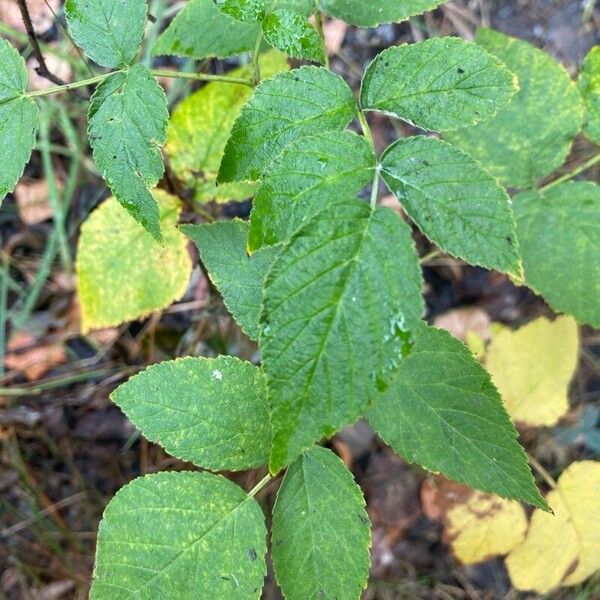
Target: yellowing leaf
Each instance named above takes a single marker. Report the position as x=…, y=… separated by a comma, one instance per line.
x=123, y=273
x=200, y=127
x=484, y=527
x=532, y=368
x=564, y=548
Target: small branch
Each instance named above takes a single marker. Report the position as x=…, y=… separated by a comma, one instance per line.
x=42, y=70
x=588, y=164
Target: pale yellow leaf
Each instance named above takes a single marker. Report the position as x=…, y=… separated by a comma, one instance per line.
x=200, y=127
x=532, y=368
x=123, y=273
x=564, y=548
x=484, y=527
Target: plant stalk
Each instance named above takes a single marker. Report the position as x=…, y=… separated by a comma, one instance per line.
x=588, y=164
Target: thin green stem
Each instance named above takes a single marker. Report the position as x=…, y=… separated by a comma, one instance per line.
x=260, y=485
x=57, y=89
x=200, y=76
x=588, y=164
x=366, y=129
x=321, y=32
x=255, y=60
x=375, y=186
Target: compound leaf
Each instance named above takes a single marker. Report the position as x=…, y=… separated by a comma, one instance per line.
x=293, y=34
x=533, y=367
x=321, y=532
x=237, y=276
x=562, y=548
x=122, y=273
x=348, y=279
x=127, y=126
x=558, y=230
x=325, y=165
x=589, y=86
x=533, y=135
x=440, y=84
x=18, y=118
x=283, y=109
x=442, y=412
x=170, y=535
x=212, y=412
x=454, y=201
x=109, y=31
x=200, y=127
x=375, y=12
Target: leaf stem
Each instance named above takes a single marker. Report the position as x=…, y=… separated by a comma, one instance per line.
x=57, y=89
x=255, y=57
x=588, y=164
x=364, y=125
x=375, y=186
x=542, y=471
x=321, y=32
x=260, y=485
x=199, y=76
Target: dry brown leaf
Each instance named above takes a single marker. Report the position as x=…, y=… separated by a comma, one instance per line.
x=460, y=321
x=334, y=31
x=33, y=360
x=32, y=201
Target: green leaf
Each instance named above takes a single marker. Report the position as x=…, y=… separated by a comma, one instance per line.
x=282, y=110
x=18, y=118
x=349, y=279
x=212, y=412
x=443, y=412
x=321, y=530
x=201, y=30
x=293, y=34
x=532, y=136
x=374, y=12
x=558, y=231
x=109, y=31
x=122, y=273
x=175, y=535
x=127, y=127
x=200, y=127
x=454, y=201
x=237, y=276
x=248, y=11
x=440, y=84
x=589, y=86
x=326, y=165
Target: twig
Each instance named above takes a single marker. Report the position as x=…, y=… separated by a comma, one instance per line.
x=42, y=69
